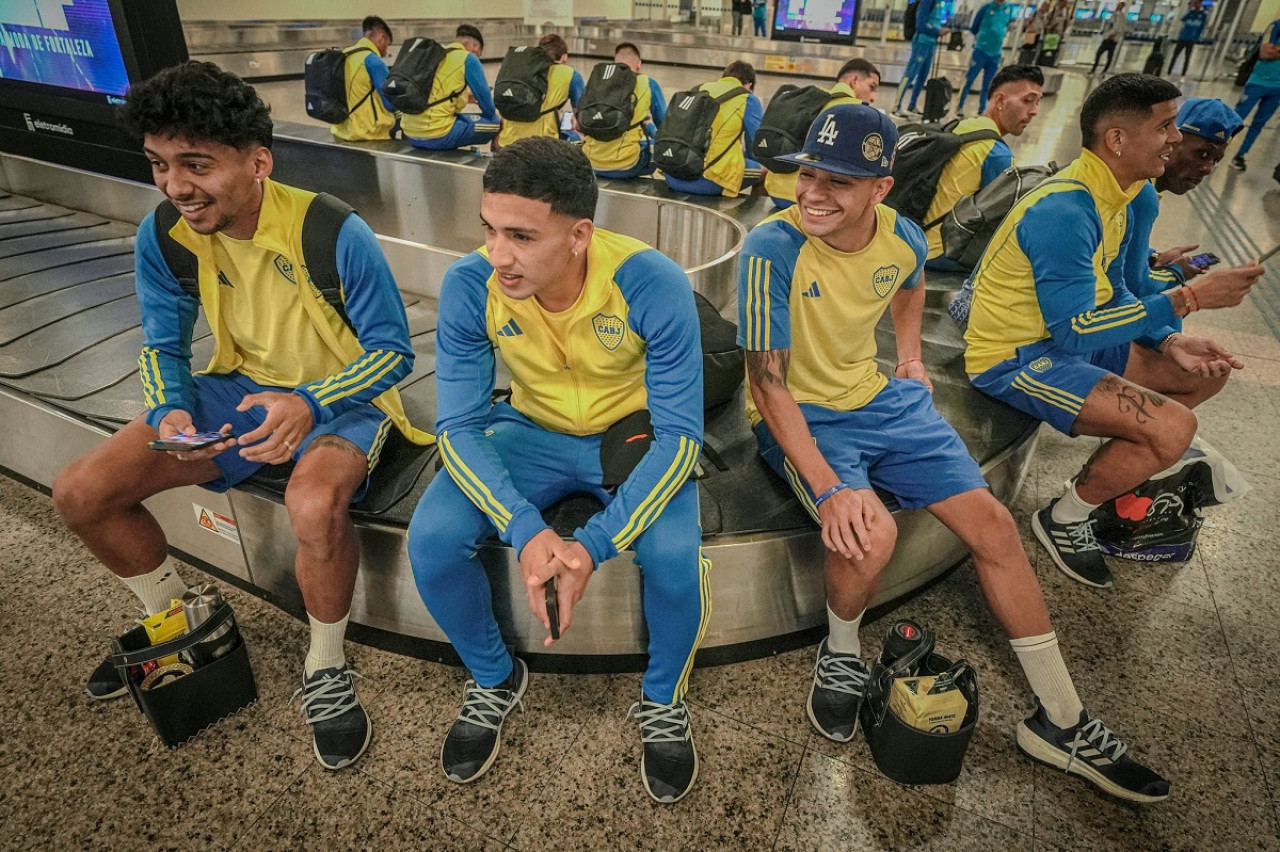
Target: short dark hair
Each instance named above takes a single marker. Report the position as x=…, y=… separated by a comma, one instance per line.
x=744, y=71
x=373, y=22
x=1011, y=74
x=1123, y=94
x=627, y=45
x=469, y=31
x=545, y=169
x=198, y=101
x=554, y=44
x=859, y=66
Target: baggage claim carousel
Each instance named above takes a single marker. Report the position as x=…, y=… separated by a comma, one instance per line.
x=70, y=337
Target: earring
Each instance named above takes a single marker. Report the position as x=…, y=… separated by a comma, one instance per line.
x=575, y=254
x=1117, y=152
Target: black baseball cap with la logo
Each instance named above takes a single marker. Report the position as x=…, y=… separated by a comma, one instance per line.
x=849, y=139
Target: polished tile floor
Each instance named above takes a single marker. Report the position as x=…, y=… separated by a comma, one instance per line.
x=1180, y=659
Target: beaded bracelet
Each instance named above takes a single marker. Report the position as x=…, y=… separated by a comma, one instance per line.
x=826, y=495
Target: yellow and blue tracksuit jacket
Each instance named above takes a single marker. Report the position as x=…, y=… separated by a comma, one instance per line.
x=973, y=167
x=376, y=354
x=1139, y=276
x=560, y=83
x=625, y=151
x=459, y=72
x=1056, y=269
x=632, y=342
x=374, y=118
x=735, y=124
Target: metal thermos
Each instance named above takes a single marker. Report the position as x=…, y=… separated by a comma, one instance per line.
x=905, y=639
x=199, y=603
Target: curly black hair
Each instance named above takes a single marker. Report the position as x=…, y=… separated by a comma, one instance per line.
x=198, y=100
x=545, y=169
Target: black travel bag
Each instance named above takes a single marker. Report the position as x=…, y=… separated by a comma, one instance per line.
x=607, y=108
x=521, y=85
x=408, y=84
x=183, y=707
x=786, y=124
x=683, y=142
x=324, y=76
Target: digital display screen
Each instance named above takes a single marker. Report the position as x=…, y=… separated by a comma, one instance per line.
x=68, y=44
x=816, y=17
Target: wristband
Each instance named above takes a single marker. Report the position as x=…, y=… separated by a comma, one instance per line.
x=826, y=495
x=908, y=361
x=1189, y=293
x=1163, y=345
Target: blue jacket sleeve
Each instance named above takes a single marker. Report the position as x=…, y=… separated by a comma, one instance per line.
x=999, y=158
x=377, y=314
x=751, y=118
x=465, y=370
x=928, y=18
x=977, y=19
x=168, y=317
x=663, y=314
x=473, y=73
x=377, y=69
x=1059, y=235
x=657, y=103
x=577, y=86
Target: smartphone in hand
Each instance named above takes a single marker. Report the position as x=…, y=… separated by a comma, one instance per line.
x=553, y=608
x=189, y=443
x=1204, y=261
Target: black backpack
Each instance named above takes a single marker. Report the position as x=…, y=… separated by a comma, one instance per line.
x=408, y=83
x=722, y=357
x=325, y=78
x=607, y=108
x=971, y=224
x=522, y=84
x=909, y=19
x=922, y=153
x=320, y=226
x=786, y=124
x=684, y=139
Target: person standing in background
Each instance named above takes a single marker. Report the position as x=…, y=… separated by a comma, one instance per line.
x=1262, y=90
x=759, y=14
x=988, y=27
x=1192, y=27
x=923, y=46
x=1113, y=30
x=741, y=8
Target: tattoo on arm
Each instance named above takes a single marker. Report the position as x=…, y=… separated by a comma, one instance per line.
x=769, y=367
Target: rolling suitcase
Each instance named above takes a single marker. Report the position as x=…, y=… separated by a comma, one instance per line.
x=937, y=95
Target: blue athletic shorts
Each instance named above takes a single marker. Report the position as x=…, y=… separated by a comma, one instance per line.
x=217, y=397
x=898, y=443
x=1050, y=384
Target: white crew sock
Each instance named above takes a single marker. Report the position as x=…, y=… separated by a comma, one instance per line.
x=842, y=636
x=1047, y=673
x=156, y=588
x=326, y=645
x=1071, y=509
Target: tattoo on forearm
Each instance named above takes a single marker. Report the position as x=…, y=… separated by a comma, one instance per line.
x=769, y=367
x=1132, y=399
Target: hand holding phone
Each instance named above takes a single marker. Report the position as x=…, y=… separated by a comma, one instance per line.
x=1204, y=260
x=553, y=607
x=184, y=443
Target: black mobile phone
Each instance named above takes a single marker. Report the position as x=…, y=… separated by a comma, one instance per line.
x=189, y=443
x=553, y=608
x=1205, y=260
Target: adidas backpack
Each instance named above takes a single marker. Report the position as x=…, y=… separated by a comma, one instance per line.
x=684, y=139
x=408, y=83
x=922, y=153
x=607, y=108
x=786, y=123
x=522, y=84
x=971, y=224
x=325, y=78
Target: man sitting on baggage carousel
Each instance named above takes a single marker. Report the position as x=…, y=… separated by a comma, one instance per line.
x=813, y=281
x=293, y=377
x=601, y=336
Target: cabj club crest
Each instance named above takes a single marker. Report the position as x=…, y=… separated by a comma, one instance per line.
x=884, y=279
x=609, y=330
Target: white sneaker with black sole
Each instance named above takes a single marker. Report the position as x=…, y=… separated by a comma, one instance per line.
x=1091, y=750
x=1073, y=548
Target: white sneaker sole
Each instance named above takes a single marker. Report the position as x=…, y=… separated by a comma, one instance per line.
x=1042, y=536
x=1037, y=749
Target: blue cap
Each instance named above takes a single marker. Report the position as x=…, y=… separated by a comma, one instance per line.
x=849, y=139
x=1210, y=118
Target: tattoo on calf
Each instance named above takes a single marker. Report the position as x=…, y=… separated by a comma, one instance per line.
x=1082, y=478
x=769, y=367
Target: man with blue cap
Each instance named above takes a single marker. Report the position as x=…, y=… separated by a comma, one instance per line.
x=813, y=282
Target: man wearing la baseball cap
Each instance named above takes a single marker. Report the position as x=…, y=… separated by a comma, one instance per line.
x=813, y=281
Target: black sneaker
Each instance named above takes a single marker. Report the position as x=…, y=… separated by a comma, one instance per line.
x=1072, y=548
x=340, y=729
x=1093, y=752
x=839, y=684
x=105, y=682
x=1238, y=164
x=473, y=741
x=669, y=765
